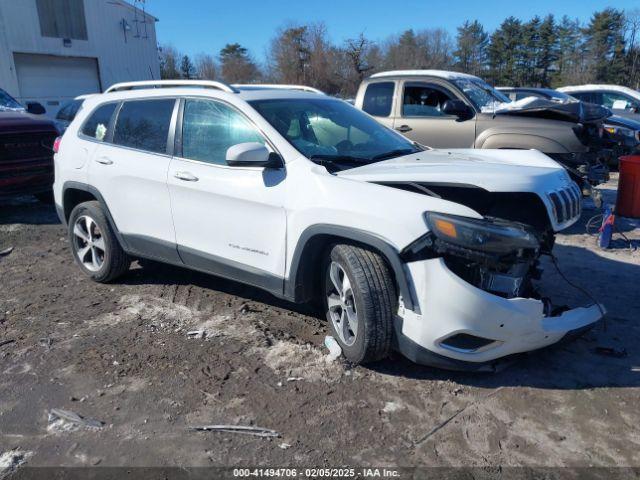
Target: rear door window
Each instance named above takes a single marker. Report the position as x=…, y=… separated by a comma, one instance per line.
x=424, y=100
x=144, y=124
x=378, y=99
x=97, y=125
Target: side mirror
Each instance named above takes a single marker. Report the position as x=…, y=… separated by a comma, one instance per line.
x=35, y=108
x=457, y=108
x=252, y=154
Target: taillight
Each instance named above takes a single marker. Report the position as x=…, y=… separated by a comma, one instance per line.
x=56, y=144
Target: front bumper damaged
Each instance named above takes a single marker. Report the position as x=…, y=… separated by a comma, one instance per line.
x=462, y=327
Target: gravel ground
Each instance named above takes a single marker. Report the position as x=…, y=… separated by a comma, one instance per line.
x=120, y=354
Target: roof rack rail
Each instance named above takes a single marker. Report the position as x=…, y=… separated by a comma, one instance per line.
x=278, y=86
x=171, y=83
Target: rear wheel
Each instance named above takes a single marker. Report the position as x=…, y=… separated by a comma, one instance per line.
x=95, y=247
x=360, y=301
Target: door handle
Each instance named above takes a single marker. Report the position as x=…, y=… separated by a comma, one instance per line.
x=104, y=160
x=186, y=176
x=404, y=128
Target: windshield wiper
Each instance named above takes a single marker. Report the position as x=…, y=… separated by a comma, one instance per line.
x=339, y=158
x=393, y=153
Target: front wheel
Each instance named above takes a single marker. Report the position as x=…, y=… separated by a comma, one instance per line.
x=360, y=301
x=95, y=247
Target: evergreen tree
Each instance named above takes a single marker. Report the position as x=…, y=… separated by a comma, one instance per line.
x=471, y=52
x=236, y=65
x=570, y=63
x=504, y=50
x=605, y=45
x=186, y=68
x=547, y=50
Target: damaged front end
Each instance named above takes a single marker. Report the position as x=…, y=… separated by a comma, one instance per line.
x=591, y=165
x=495, y=255
x=473, y=280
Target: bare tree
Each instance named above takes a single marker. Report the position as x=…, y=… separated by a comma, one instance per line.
x=169, y=60
x=206, y=67
x=632, y=35
x=289, y=54
x=354, y=63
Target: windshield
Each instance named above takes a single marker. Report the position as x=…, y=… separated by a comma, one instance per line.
x=556, y=96
x=331, y=132
x=7, y=102
x=485, y=98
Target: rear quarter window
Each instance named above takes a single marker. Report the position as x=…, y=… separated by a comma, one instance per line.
x=97, y=125
x=378, y=98
x=144, y=124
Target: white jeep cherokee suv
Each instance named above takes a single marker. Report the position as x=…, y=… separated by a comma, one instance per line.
x=431, y=252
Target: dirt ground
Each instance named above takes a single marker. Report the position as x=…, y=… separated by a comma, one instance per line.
x=120, y=354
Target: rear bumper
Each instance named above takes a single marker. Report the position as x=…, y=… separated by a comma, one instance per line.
x=451, y=307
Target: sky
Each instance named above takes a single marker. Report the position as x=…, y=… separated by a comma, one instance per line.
x=205, y=26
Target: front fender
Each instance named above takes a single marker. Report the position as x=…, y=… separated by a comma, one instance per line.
x=521, y=141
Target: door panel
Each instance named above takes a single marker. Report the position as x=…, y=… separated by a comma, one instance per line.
x=228, y=213
x=134, y=186
x=228, y=220
x=421, y=118
x=133, y=182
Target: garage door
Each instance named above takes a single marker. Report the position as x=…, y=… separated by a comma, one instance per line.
x=53, y=80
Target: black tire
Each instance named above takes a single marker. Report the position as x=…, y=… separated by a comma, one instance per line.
x=115, y=261
x=375, y=298
x=45, y=197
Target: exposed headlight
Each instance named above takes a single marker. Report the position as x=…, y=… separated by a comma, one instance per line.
x=625, y=132
x=483, y=235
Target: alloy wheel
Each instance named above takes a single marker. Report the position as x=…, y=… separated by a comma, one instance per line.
x=89, y=243
x=341, y=304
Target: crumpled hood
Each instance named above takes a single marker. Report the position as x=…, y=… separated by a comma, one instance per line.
x=577, y=112
x=492, y=170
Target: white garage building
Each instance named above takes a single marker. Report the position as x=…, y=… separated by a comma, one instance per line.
x=54, y=50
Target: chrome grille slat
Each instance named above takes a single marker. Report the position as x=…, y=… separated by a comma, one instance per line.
x=567, y=203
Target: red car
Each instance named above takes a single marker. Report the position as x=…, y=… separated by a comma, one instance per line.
x=26, y=150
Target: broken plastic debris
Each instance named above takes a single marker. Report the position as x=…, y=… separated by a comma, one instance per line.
x=247, y=430
x=294, y=379
x=392, y=407
x=196, y=334
x=334, y=349
x=58, y=416
x=6, y=251
x=284, y=446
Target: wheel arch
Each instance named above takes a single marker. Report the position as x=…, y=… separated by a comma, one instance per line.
x=75, y=193
x=519, y=141
x=314, y=242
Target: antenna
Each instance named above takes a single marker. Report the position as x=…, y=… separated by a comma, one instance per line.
x=139, y=6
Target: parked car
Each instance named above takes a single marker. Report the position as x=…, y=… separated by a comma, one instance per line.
x=448, y=110
x=26, y=150
x=622, y=101
x=68, y=112
x=621, y=134
x=431, y=252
